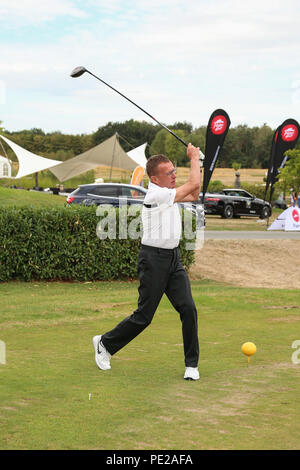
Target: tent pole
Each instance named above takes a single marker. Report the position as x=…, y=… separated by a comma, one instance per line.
x=112, y=159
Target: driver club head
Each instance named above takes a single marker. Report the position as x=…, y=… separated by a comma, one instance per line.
x=78, y=71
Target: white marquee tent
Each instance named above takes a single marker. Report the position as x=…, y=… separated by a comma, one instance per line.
x=138, y=155
x=29, y=162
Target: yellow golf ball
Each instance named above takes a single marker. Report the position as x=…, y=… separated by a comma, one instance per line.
x=249, y=349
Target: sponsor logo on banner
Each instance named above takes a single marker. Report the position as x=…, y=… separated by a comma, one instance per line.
x=295, y=215
x=292, y=221
x=218, y=125
x=289, y=133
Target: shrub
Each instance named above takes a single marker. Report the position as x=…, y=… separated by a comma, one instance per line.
x=215, y=186
x=259, y=191
x=61, y=243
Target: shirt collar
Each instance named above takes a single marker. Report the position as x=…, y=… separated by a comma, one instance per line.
x=152, y=185
x=155, y=186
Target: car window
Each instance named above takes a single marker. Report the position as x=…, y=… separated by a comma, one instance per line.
x=230, y=193
x=132, y=193
x=112, y=191
x=236, y=193
x=79, y=191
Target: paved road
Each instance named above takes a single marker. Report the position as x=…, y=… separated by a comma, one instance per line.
x=251, y=235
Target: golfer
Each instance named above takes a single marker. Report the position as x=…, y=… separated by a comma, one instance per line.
x=159, y=267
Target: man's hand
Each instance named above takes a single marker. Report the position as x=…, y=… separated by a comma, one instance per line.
x=191, y=189
x=193, y=152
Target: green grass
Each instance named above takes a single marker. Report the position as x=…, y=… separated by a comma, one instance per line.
x=22, y=197
x=52, y=395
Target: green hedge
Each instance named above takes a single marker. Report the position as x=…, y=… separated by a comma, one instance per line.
x=61, y=244
x=259, y=191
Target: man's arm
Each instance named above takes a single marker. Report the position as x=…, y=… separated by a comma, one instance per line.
x=190, y=191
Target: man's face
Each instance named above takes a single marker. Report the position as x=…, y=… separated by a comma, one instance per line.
x=165, y=175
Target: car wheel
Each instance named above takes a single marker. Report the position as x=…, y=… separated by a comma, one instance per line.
x=228, y=212
x=265, y=212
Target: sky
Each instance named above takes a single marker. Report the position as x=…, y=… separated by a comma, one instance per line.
x=179, y=60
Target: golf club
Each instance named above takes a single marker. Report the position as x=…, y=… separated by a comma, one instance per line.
x=78, y=71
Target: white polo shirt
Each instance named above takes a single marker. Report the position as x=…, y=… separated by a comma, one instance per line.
x=161, y=223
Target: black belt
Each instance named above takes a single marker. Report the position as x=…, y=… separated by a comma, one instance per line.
x=150, y=206
x=157, y=249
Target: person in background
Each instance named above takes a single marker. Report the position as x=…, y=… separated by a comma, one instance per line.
x=295, y=199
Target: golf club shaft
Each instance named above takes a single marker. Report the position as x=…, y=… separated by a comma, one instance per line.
x=132, y=102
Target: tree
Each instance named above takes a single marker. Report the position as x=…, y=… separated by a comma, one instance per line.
x=168, y=145
x=262, y=142
x=158, y=143
x=132, y=133
x=187, y=127
x=198, y=140
x=236, y=166
x=289, y=176
x=174, y=149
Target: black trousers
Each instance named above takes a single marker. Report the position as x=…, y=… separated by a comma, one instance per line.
x=160, y=271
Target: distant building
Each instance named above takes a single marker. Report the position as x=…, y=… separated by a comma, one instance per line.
x=5, y=167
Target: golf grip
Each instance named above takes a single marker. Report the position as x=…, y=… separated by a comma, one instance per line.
x=132, y=102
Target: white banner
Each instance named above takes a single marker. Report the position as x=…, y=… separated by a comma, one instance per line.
x=292, y=220
x=288, y=220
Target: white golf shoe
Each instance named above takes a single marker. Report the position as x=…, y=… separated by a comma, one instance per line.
x=102, y=356
x=191, y=373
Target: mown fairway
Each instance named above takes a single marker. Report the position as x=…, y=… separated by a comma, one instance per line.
x=52, y=395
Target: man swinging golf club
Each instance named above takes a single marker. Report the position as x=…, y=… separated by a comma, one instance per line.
x=159, y=267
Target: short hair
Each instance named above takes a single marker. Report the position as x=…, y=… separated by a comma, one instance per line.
x=153, y=162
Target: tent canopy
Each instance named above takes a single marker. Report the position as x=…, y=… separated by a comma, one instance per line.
x=29, y=162
x=108, y=153
x=138, y=155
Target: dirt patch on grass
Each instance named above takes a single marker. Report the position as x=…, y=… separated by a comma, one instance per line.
x=293, y=319
x=280, y=307
x=249, y=263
